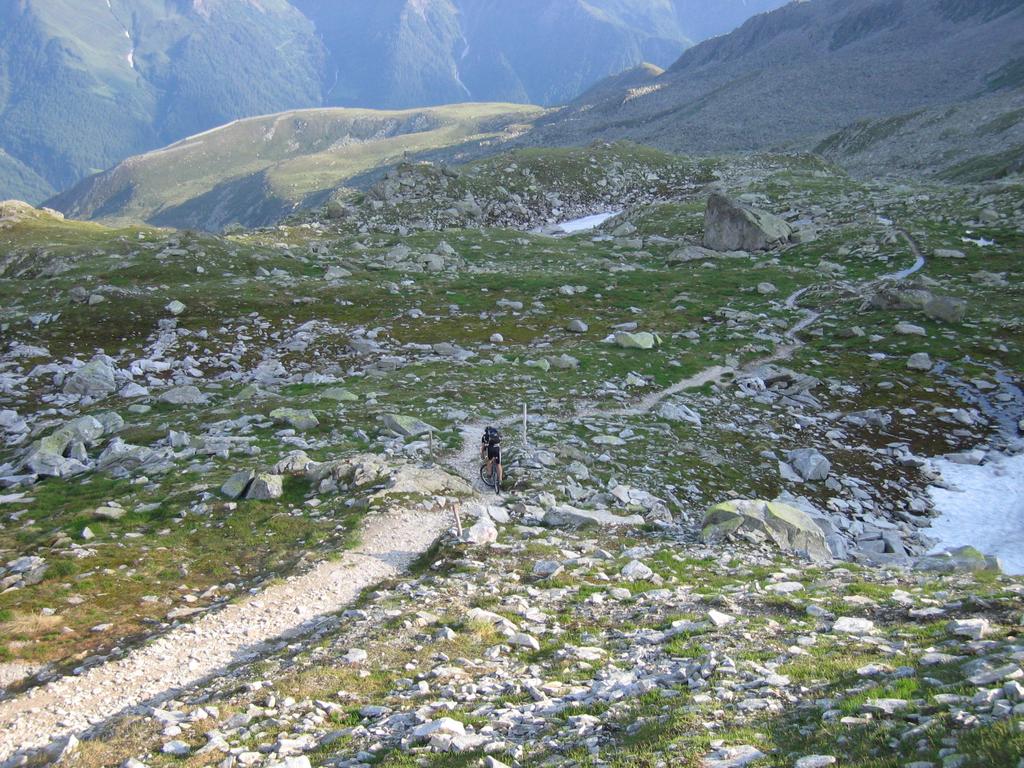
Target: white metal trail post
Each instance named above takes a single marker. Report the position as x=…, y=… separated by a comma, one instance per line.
x=525, y=443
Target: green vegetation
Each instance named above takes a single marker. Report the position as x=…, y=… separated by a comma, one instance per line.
x=254, y=171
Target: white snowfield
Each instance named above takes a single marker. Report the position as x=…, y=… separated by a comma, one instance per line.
x=587, y=222
x=983, y=508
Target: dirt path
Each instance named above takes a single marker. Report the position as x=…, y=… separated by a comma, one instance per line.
x=466, y=463
x=204, y=648
x=648, y=402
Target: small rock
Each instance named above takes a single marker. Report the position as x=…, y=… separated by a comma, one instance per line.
x=815, y=761
x=355, y=656
x=720, y=619
x=265, y=487
x=847, y=625
x=636, y=571
x=444, y=725
x=524, y=640
x=176, y=748
x=919, y=361
x=975, y=629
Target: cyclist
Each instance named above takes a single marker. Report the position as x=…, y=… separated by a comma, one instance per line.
x=490, y=449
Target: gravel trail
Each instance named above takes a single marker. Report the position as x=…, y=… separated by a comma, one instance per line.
x=206, y=647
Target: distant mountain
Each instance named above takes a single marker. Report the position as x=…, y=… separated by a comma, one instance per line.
x=253, y=172
x=83, y=84
x=86, y=83
x=807, y=70
x=401, y=53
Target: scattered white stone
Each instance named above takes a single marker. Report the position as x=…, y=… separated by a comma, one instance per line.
x=355, y=656
x=176, y=748
x=444, y=725
x=524, y=640
x=720, y=619
x=847, y=625
x=815, y=761
x=636, y=571
x=975, y=629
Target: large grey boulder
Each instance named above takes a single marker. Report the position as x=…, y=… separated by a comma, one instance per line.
x=946, y=309
x=406, y=426
x=959, y=560
x=48, y=456
x=301, y=420
x=265, y=487
x=642, y=340
x=482, y=532
x=235, y=486
x=120, y=457
x=919, y=361
x=791, y=529
x=54, y=465
x=95, y=379
x=565, y=516
x=186, y=395
x=809, y=464
x=730, y=226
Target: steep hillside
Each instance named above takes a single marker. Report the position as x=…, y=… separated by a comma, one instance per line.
x=255, y=171
x=808, y=70
x=86, y=84
x=974, y=140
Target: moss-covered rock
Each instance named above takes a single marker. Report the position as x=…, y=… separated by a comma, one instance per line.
x=792, y=529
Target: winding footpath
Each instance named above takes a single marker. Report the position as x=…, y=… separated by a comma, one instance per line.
x=207, y=647
x=466, y=462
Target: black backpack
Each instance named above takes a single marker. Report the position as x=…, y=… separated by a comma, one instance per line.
x=492, y=436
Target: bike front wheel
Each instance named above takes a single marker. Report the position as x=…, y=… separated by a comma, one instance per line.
x=495, y=477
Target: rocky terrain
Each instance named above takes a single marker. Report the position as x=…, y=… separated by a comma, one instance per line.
x=713, y=548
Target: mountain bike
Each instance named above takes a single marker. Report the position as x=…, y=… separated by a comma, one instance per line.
x=490, y=479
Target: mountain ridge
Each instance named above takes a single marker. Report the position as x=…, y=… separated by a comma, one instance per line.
x=83, y=87
x=802, y=72
x=253, y=171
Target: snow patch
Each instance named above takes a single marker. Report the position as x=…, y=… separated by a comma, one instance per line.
x=981, y=242
x=917, y=267
x=586, y=223
x=984, y=508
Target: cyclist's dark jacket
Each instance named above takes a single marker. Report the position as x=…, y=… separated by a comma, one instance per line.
x=493, y=443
